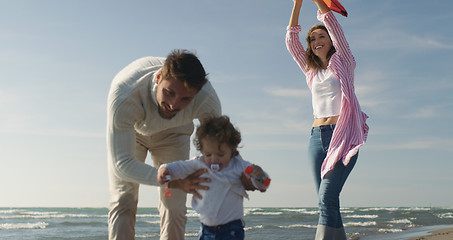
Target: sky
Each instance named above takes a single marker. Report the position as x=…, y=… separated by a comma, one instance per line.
x=57, y=60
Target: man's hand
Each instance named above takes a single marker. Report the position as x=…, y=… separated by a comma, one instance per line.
x=191, y=183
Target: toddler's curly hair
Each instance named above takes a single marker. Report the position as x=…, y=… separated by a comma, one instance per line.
x=220, y=129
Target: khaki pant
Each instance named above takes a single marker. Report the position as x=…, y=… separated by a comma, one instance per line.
x=166, y=146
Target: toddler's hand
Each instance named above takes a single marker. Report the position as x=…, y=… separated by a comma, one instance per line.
x=257, y=170
x=259, y=175
x=162, y=175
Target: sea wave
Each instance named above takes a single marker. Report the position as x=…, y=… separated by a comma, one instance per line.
x=389, y=230
x=148, y=215
x=416, y=209
x=401, y=221
x=360, y=224
x=192, y=213
x=15, y=226
x=346, y=211
x=445, y=215
x=362, y=216
x=267, y=213
x=298, y=226
x=390, y=209
x=247, y=211
x=146, y=236
x=301, y=210
x=11, y=211
x=47, y=215
x=191, y=234
x=253, y=227
x=153, y=222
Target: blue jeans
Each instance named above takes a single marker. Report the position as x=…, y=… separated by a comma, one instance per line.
x=330, y=187
x=233, y=230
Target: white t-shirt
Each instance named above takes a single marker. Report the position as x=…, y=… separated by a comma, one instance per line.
x=223, y=202
x=326, y=94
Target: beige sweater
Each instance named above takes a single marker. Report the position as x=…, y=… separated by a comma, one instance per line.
x=132, y=107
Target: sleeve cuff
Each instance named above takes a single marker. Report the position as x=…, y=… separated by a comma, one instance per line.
x=295, y=29
x=322, y=16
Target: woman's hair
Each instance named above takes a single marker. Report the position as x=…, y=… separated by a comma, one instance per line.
x=185, y=66
x=314, y=61
x=220, y=129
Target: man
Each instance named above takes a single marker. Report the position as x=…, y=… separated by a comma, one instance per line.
x=151, y=106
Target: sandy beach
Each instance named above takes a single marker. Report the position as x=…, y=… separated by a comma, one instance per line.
x=443, y=234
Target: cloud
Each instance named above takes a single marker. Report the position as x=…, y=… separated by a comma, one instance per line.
x=445, y=144
x=288, y=92
x=422, y=113
x=429, y=42
x=22, y=129
x=390, y=37
x=430, y=111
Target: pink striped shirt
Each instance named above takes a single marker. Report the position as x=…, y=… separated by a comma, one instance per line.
x=351, y=129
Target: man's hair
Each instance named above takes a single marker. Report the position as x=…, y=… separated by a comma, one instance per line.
x=185, y=66
x=220, y=129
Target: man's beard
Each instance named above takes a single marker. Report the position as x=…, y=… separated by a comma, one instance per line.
x=159, y=109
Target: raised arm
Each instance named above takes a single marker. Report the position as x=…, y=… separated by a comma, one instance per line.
x=294, y=20
x=337, y=35
x=293, y=43
x=322, y=6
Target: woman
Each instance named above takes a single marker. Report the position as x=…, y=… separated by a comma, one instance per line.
x=339, y=128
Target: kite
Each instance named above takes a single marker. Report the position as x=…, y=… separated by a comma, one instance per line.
x=335, y=6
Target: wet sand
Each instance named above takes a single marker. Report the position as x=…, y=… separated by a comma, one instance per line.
x=436, y=232
x=443, y=234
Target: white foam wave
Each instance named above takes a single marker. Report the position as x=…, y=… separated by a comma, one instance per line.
x=347, y=211
x=38, y=215
x=11, y=211
x=15, y=226
x=148, y=215
x=253, y=227
x=147, y=236
x=360, y=224
x=391, y=209
x=153, y=222
x=192, y=213
x=298, y=226
x=390, y=230
x=191, y=234
x=400, y=221
x=247, y=211
x=267, y=213
x=301, y=210
x=362, y=216
x=445, y=215
x=416, y=209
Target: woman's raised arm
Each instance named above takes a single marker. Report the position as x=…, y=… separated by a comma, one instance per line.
x=294, y=20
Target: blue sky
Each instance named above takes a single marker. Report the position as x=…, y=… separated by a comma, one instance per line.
x=57, y=59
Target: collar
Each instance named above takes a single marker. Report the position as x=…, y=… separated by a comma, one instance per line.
x=153, y=86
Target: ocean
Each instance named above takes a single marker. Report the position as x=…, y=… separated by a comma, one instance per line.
x=261, y=223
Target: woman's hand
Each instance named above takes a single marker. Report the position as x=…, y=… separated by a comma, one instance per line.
x=322, y=6
x=191, y=183
x=293, y=21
